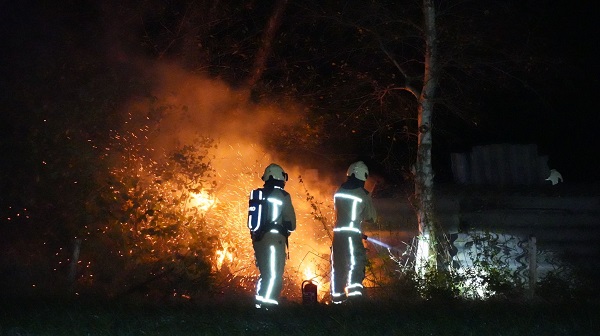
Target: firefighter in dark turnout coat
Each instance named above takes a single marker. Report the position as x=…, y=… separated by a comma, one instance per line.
x=353, y=205
x=270, y=246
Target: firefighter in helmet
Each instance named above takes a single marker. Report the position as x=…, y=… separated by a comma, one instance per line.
x=353, y=205
x=270, y=245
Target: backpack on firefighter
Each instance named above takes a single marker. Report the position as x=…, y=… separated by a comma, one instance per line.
x=258, y=213
x=259, y=216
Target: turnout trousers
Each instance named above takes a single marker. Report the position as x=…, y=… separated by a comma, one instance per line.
x=348, y=260
x=270, y=254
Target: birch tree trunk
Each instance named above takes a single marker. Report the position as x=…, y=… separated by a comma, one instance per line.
x=423, y=169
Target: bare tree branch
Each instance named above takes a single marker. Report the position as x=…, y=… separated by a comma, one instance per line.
x=263, y=53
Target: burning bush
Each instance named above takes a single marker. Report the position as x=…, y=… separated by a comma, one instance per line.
x=156, y=233
x=163, y=202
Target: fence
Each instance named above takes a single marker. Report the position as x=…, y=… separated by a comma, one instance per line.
x=519, y=255
x=566, y=227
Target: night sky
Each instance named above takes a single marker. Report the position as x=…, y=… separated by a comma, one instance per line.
x=561, y=116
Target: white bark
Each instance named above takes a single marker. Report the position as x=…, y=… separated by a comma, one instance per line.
x=424, y=170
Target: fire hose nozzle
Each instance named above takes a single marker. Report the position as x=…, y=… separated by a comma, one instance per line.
x=365, y=237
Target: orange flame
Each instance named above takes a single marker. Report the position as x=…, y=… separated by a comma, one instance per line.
x=190, y=106
x=223, y=255
x=202, y=200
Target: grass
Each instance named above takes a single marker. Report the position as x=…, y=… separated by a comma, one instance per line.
x=43, y=317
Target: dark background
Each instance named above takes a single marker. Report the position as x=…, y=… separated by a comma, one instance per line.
x=54, y=54
x=519, y=72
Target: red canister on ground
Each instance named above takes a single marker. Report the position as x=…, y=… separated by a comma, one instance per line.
x=309, y=292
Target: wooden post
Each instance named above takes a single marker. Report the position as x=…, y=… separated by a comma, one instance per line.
x=532, y=266
x=74, y=260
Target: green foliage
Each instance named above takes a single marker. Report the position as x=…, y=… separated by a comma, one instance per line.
x=485, y=275
x=488, y=273
x=554, y=287
x=484, y=280
x=567, y=285
x=438, y=285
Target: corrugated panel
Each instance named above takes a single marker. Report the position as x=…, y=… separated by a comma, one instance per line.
x=500, y=164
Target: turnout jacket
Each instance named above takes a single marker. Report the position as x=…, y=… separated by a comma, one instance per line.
x=282, y=213
x=353, y=205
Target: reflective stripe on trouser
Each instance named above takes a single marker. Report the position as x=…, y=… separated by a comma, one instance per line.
x=270, y=259
x=348, y=259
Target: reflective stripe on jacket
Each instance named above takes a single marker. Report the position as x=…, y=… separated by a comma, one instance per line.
x=353, y=206
x=282, y=210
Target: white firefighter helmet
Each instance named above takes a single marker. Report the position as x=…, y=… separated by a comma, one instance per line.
x=359, y=169
x=276, y=172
